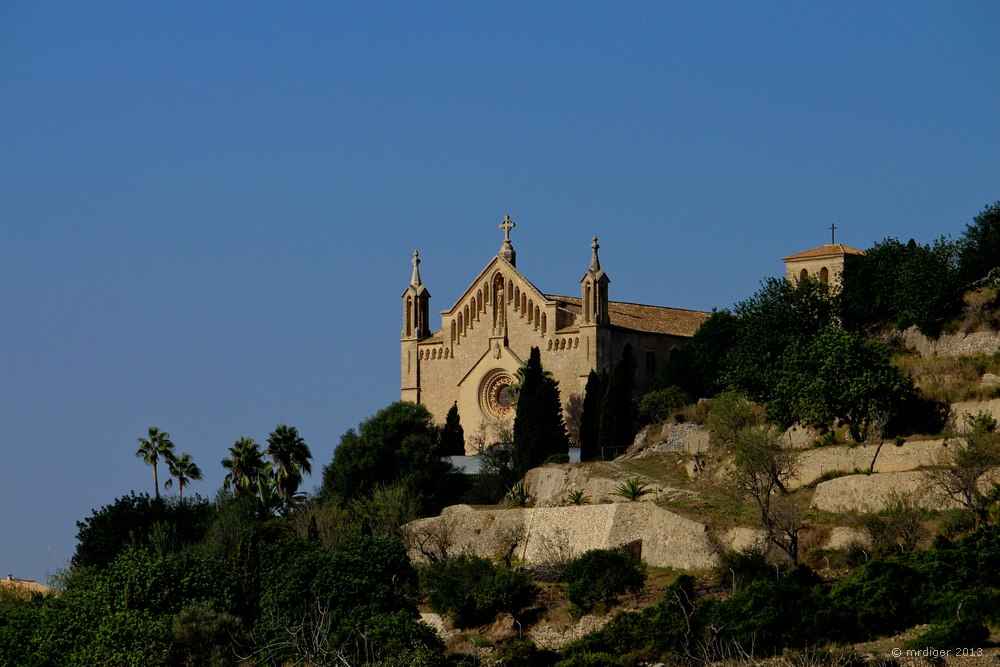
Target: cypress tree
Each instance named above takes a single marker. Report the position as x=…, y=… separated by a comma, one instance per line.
x=539, y=431
x=590, y=416
x=617, y=427
x=452, y=435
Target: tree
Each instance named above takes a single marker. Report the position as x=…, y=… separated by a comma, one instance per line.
x=590, y=416
x=760, y=468
x=291, y=458
x=780, y=313
x=452, y=435
x=397, y=445
x=154, y=447
x=965, y=463
x=244, y=465
x=184, y=469
x=837, y=375
x=899, y=285
x=617, y=427
x=130, y=520
x=539, y=431
x=699, y=367
x=980, y=245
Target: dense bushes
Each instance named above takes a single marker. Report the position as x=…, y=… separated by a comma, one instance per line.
x=602, y=575
x=472, y=590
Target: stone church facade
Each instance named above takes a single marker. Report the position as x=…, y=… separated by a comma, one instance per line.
x=489, y=330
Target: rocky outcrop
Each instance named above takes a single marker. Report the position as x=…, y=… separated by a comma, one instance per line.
x=958, y=411
x=814, y=463
x=873, y=493
x=550, y=485
x=541, y=535
x=949, y=345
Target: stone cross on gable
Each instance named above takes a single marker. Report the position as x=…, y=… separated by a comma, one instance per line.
x=833, y=233
x=506, y=226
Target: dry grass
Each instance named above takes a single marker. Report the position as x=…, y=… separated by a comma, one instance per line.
x=951, y=379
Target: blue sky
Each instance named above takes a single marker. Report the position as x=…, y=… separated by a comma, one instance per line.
x=207, y=210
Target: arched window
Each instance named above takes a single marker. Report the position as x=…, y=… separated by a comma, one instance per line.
x=530, y=312
x=517, y=298
x=409, y=316
x=803, y=274
x=524, y=303
x=536, y=317
x=454, y=334
x=543, y=322
x=824, y=275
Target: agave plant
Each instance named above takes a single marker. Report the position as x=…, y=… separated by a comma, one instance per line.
x=632, y=489
x=518, y=495
x=577, y=497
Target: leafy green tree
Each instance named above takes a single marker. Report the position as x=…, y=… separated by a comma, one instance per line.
x=699, y=367
x=617, y=428
x=184, y=469
x=780, y=313
x=131, y=520
x=980, y=245
x=291, y=457
x=152, y=449
x=244, y=466
x=899, y=285
x=314, y=599
x=539, y=431
x=732, y=413
x=838, y=375
x=590, y=416
x=397, y=445
x=661, y=404
x=452, y=435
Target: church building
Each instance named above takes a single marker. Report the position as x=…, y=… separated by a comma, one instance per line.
x=488, y=332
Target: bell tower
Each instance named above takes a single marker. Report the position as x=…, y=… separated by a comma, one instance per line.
x=416, y=327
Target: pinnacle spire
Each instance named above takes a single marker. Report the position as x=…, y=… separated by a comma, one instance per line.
x=595, y=261
x=415, y=280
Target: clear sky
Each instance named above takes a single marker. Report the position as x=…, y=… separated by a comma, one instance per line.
x=208, y=210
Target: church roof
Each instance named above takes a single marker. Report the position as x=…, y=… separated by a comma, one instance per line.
x=639, y=317
x=828, y=250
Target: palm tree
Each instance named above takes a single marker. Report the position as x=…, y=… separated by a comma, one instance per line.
x=245, y=465
x=152, y=448
x=184, y=469
x=291, y=457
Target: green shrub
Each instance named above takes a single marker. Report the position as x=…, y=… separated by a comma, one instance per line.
x=738, y=569
x=658, y=405
x=472, y=590
x=957, y=632
x=602, y=575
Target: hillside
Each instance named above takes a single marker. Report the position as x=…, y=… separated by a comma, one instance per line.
x=854, y=501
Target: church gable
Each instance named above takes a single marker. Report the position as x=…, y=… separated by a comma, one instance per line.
x=486, y=333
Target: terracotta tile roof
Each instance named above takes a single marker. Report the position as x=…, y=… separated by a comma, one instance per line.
x=638, y=317
x=828, y=250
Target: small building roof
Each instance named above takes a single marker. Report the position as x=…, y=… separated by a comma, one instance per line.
x=24, y=587
x=828, y=250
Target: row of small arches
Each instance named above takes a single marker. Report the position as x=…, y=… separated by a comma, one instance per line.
x=564, y=343
x=434, y=353
x=471, y=312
